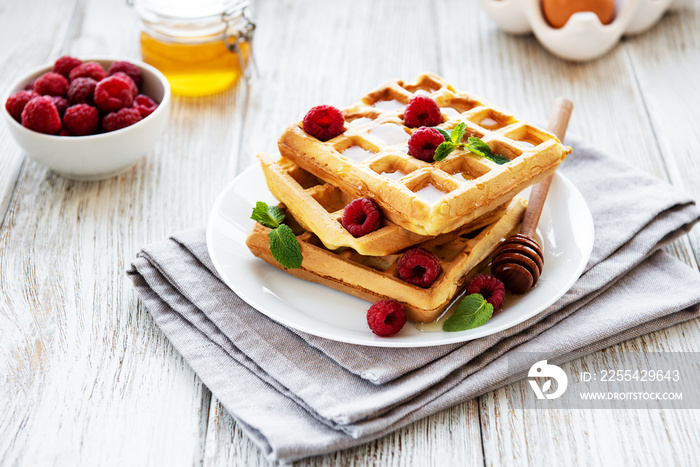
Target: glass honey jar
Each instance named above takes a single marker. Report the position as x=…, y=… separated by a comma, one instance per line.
x=203, y=47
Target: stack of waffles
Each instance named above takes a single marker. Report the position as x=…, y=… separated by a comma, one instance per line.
x=458, y=208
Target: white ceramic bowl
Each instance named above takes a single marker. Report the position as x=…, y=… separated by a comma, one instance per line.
x=95, y=157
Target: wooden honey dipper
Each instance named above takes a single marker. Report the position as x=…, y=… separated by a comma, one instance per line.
x=518, y=260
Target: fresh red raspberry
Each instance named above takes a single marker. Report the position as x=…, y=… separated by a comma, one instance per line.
x=16, y=102
x=65, y=132
x=82, y=91
x=121, y=119
x=423, y=143
x=386, y=317
x=51, y=84
x=129, y=69
x=65, y=64
x=361, y=217
x=324, y=122
x=115, y=92
x=88, y=70
x=490, y=288
x=30, y=86
x=422, y=111
x=419, y=267
x=145, y=105
x=40, y=114
x=81, y=119
x=61, y=104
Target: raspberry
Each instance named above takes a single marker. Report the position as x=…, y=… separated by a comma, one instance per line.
x=361, y=217
x=88, y=70
x=121, y=119
x=490, y=288
x=386, y=317
x=115, y=92
x=40, y=115
x=81, y=119
x=16, y=102
x=82, y=91
x=419, y=267
x=51, y=84
x=30, y=86
x=61, y=104
x=127, y=68
x=65, y=64
x=145, y=105
x=422, y=111
x=324, y=122
x=423, y=143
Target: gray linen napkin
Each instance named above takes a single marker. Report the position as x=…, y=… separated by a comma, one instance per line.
x=298, y=395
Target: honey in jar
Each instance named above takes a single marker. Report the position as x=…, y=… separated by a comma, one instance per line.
x=201, y=47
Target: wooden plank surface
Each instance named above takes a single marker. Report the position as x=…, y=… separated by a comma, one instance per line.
x=35, y=50
x=666, y=62
x=91, y=380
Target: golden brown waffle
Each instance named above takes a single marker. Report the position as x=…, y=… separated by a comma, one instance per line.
x=375, y=277
x=318, y=207
x=370, y=159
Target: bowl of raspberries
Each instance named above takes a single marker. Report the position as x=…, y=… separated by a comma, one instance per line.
x=88, y=119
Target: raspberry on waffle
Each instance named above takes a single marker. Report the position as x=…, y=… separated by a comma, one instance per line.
x=370, y=158
x=318, y=206
x=375, y=278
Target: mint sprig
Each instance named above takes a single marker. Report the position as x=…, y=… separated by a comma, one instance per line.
x=284, y=245
x=444, y=134
x=453, y=140
x=477, y=146
x=472, y=312
x=269, y=216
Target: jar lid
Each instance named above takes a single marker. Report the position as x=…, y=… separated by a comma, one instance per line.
x=187, y=9
x=185, y=18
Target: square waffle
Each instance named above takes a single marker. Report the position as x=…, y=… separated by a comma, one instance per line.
x=318, y=207
x=375, y=278
x=370, y=158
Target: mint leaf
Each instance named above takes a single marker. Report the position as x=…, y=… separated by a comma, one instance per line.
x=480, y=148
x=444, y=150
x=269, y=216
x=498, y=159
x=285, y=247
x=472, y=312
x=458, y=133
x=283, y=243
x=277, y=213
x=444, y=134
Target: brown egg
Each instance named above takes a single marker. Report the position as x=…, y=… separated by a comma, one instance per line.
x=558, y=12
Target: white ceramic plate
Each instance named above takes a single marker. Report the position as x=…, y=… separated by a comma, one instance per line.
x=565, y=228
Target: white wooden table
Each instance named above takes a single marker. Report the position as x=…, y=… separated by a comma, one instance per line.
x=86, y=377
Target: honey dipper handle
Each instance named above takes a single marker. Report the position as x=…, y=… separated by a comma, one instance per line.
x=558, y=121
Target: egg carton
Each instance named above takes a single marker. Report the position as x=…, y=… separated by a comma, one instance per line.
x=583, y=37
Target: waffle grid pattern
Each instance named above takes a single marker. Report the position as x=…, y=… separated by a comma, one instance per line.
x=318, y=207
x=371, y=157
